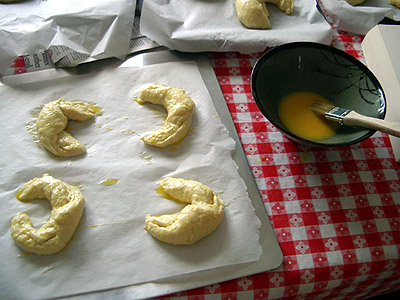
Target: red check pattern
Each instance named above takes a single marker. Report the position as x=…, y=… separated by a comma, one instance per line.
x=18, y=66
x=335, y=211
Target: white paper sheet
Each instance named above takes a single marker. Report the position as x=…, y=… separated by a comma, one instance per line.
x=194, y=26
x=90, y=29
x=110, y=247
x=361, y=18
x=381, y=50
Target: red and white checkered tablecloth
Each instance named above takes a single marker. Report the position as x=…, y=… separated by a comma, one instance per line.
x=335, y=211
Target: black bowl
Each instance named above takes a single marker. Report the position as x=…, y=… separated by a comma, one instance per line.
x=324, y=70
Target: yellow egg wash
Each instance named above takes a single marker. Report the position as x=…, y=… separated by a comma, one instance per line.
x=109, y=181
x=295, y=113
x=96, y=110
x=161, y=192
x=18, y=194
x=146, y=156
x=172, y=149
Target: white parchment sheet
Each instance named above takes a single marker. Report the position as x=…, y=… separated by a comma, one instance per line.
x=110, y=247
x=90, y=29
x=361, y=18
x=194, y=26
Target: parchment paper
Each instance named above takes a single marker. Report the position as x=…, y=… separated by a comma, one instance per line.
x=361, y=18
x=90, y=29
x=381, y=51
x=194, y=26
x=110, y=247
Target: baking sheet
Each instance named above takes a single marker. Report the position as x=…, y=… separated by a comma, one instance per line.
x=360, y=18
x=78, y=29
x=194, y=26
x=110, y=240
x=271, y=256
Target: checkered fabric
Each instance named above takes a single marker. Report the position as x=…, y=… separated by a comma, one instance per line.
x=335, y=211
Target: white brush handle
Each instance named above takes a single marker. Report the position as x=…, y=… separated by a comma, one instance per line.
x=389, y=127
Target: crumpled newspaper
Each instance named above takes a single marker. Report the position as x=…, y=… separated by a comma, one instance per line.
x=71, y=31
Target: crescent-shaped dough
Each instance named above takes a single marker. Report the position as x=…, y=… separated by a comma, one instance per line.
x=253, y=14
x=285, y=6
x=199, y=218
x=395, y=3
x=180, y=108
x=51, y=124
x=67, y=206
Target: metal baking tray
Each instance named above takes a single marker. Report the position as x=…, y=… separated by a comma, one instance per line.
x=271, y=257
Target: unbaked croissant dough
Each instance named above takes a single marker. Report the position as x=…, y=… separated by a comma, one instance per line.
x=51, y=124
x=199, y=218
x=395, y=3
x=67, y=206
x=285, y=6
x=180, y=108
x=254, y=13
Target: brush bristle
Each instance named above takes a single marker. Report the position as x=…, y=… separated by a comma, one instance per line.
x=321, y=108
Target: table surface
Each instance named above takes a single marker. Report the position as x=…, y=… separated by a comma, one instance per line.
x=335, y=211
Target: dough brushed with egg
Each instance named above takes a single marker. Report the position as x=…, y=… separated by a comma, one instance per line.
x=253, y=14
x=180, y=108
x=51, y=124
x=196, y=220
x=285, y=6
x=395, y=3
x=67, y=204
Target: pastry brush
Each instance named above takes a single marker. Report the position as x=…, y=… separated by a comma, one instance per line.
x=349, y=117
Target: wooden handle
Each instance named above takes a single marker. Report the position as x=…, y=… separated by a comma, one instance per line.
x=389, y=127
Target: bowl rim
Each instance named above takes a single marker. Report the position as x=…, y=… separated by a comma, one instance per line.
x=273, y=51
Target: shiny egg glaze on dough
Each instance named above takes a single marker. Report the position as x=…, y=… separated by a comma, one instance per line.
x=51, y=124
x=67, y=207
x=180, y=108
x=196, y=220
